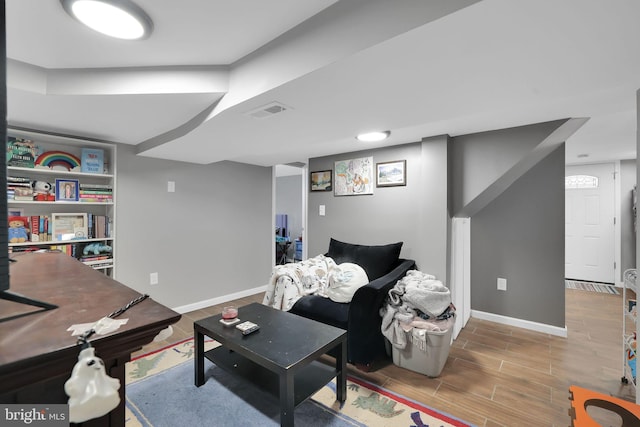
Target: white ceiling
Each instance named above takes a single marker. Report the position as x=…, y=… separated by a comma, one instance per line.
x=418, y=68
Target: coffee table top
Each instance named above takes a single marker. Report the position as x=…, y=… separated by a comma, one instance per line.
x=284, y=339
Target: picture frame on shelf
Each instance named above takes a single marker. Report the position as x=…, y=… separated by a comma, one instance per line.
x=67, y=190
x=69, y=226
x=15, y=211
x=391, y=174
x=321, y=180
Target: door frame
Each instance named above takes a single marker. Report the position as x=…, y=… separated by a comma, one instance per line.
x=617, y=230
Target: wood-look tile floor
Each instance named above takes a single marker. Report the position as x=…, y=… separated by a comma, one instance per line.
x=498, y=375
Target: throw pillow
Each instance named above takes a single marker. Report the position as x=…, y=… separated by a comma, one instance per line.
x=344, y=280
x=376, y=260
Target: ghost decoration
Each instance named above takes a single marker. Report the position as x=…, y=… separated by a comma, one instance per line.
x=91, y=392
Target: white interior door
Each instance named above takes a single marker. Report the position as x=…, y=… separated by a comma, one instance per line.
x=589, y=223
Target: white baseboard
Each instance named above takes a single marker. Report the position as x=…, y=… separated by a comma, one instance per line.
x=218, y=300
x=520, y=323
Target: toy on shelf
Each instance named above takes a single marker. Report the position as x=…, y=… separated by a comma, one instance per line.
x=96, y=248
x=18, y=232
x=42, y=191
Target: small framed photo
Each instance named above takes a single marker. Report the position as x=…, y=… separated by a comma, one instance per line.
x=321, y=180
x=391, y=174
x=69, y=226
x=67, y=190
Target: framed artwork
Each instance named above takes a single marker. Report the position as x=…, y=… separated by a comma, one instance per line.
x=67, y=190
x=69, y=226
x=321, y=181
x=391, y=174
x=353, y=177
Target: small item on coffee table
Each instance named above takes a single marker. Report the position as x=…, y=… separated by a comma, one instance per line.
x=247, y=327
x=230, y=312
x=229, y=322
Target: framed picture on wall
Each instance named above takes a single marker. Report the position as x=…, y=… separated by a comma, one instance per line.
x=391, y=174
x=353, y=177
x=321, y=180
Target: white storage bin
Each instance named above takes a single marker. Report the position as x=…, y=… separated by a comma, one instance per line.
x=429, y=362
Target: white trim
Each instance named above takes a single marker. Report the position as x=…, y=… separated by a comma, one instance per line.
x=520, y=323
x=219, y=300
x=617, y=227
x=460, y=271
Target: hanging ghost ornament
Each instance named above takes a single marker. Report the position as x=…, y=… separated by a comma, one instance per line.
x=92, y=393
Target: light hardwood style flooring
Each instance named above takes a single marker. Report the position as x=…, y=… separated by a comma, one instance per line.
x=498, y=375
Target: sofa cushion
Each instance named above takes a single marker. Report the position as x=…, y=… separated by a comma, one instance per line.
x=376, y=260
x=344, y=280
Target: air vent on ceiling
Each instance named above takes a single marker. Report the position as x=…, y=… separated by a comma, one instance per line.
x=268, y=110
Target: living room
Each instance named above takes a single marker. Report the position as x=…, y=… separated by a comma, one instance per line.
x=211, y=240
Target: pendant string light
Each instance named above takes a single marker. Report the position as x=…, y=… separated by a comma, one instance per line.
x=121, y=19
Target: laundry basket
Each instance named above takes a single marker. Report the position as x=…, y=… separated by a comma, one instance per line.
x=429, y=361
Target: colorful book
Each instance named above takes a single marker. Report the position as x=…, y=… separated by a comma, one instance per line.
x=20, y=152
x=92, y=160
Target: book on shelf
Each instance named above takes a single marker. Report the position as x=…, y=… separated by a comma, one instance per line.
x=21, y=152
x=96, y=186
x=92, y=160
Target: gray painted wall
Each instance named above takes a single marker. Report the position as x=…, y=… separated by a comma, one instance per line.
x=289, y=201
x=415, y=214
x=478, y=159
x=199, y=239
x=628, y=238
x=520, y=237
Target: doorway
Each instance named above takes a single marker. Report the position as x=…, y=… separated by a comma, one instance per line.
x=590, y=222
x=289, y=215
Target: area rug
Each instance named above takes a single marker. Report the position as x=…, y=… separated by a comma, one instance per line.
x=160, y=392
x=591, y=286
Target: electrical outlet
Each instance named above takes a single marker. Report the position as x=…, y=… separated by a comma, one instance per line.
x=153, y=278
x=502, y=284
x=322, y=211
x=171, y=186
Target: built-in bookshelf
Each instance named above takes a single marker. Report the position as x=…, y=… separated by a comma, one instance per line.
x=61, y=194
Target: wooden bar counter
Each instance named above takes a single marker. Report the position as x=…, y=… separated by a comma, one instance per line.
x=37, y=353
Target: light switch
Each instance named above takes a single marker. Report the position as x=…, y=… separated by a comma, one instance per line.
x=321, y=211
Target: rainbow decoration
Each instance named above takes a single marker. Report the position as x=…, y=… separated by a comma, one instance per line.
x=57, y=160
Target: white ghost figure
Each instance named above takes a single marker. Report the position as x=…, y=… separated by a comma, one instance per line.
x=91, y=392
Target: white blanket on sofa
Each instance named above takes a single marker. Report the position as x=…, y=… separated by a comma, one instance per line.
x=290, y=282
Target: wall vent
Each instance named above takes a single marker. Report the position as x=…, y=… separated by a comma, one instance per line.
x=268, y=110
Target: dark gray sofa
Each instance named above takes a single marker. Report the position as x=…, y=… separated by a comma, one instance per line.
x=360, y=317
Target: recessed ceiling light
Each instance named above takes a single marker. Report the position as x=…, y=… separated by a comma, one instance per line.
x=373, y=136
x=122, y=19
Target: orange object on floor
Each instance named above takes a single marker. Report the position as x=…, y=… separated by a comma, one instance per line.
x=581, y=398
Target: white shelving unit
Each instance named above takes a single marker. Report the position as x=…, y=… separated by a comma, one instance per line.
x=629, y=327
x=72, y=145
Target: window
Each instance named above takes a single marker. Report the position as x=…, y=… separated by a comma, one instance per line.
x=580, y=181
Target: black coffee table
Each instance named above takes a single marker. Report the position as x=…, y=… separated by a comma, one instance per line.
x=281, y=357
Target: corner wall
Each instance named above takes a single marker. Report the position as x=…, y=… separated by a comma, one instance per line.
x=520, y=237
x=200, y=239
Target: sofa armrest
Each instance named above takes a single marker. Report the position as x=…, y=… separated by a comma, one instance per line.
x=364, y=313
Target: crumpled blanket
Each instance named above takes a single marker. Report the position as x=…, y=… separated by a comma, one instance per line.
x=290, y=282
x=416, y=293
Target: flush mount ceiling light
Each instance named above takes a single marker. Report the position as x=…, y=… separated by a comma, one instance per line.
x=122, y=19
x=373, y=136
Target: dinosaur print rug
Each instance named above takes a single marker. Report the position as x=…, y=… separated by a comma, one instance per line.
x=366, y=405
